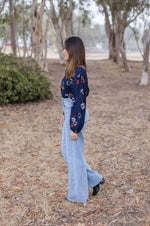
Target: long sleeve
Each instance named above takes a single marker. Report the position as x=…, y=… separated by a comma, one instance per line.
x=79, y=93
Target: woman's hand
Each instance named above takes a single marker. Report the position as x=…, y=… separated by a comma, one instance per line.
x=73, y=136
x=62, y=120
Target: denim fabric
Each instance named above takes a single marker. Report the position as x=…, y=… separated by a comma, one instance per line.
x=80, y=175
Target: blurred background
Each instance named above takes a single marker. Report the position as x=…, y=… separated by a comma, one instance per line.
x=113, y=29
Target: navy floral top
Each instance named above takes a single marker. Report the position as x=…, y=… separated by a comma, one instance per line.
x=77, y=89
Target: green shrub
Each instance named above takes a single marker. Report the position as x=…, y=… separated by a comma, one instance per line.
x=21, y=81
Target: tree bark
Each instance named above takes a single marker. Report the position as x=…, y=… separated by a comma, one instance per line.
x=124, y=58
x=62, y=25
x=60, y=46
x=12, y=26
x=69, y=22
x=45, y=42
x=113, y=50
x=120, y=44
x=112, y=43
x=23, y=31
x=37, y=32
x=69, y=27
x=34, y=26
x=144, y=75
x=58, y=29
x=120, y=19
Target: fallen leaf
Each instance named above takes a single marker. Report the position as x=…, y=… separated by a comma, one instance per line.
x=34, y=154
x=140, y=219
x=21, y=170
x=51, y=194
x=15, y=188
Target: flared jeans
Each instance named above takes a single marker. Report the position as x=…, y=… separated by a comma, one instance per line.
x=80, y=176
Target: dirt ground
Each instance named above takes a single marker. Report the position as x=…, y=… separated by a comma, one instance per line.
x=33, y=174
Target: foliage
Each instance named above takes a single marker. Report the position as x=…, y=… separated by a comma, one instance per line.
x=140, y=29
x=129, y=9
x=3, y=21
x=23, y=24
x=94, y=36
x=21, y=81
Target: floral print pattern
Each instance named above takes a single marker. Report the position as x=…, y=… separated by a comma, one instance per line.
x=76, y=89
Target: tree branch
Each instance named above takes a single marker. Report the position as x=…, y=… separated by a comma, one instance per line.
x=2, y=7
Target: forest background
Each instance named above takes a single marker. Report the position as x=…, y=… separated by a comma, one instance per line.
x=33, y=28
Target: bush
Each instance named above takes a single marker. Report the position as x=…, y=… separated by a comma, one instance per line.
x=21, y=81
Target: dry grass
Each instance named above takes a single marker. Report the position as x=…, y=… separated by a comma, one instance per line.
x=33, y=175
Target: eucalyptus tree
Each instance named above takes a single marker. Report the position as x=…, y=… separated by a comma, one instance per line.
x=45, y=38
x=146, y=51
x=4, y=18
x=15, y=24
x=24, y=28
x=144, y=75
x=12, y=25
x=61, y=17
x=118, y=15
x=2, y=5
x=37, y=42
x=141, y=31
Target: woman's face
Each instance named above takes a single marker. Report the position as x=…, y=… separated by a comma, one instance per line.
x=66, y=54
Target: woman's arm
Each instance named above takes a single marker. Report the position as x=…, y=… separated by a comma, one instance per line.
x=79, y=90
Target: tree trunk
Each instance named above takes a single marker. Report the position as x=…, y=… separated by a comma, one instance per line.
x=111, y=40
x=12, y=26
x=37, y=32
x=124, y=57
x=69, y=22
x=45, y=43
x=120, y=44
x=23, y=31
x=34, y=26
x=69, y=27
x=62, y=25
x=60, y=46
x=58, y=29
x=109, y=31
x=144, y=75
x=115, y=33
x=117, y=37
x=113, y=50
x=39, y=48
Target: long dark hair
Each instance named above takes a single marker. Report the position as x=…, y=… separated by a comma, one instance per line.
x=75, y=47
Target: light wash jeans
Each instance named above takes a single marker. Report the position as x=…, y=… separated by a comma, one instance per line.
x=80, y=175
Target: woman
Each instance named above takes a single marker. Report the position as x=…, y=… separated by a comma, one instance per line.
x=74, y=90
